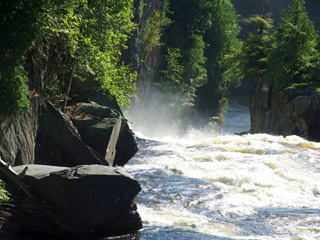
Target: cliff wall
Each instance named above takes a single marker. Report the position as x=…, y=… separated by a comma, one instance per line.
x=18, y=135
x=292, y=112
x=147, y=66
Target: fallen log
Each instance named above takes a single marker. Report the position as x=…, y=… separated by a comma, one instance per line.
x=111, y=149
x=14, y=179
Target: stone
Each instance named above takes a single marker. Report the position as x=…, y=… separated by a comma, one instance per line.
x=18, y=134
x=95, y=123
x=59, y=142
x=290, y=112
x=92, y=198
x=9, y=228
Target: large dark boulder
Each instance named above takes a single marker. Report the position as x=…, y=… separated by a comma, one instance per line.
x=294, y=111
x=18, y=134
x=59, y=142
x=92, y=198
x=95, y=124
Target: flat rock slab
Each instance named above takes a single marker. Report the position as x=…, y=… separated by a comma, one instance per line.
x=90, y=197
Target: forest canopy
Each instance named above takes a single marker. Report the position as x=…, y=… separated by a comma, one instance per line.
x=59, y=42
x=286, y=55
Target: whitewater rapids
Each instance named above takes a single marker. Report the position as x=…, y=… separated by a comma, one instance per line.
x=203, y=186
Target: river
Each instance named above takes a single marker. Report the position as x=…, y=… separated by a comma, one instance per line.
x=206, y=186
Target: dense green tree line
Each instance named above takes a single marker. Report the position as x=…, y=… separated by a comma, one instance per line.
x=200, y=34
x=63, y=41
x=286, y=56
x=221, y=37
x=214, y=60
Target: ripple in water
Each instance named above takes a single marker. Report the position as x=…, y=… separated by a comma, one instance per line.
x=204, y=186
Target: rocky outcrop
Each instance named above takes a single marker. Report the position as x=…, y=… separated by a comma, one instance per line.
x=89, y=199
x=95, y=124
x=294, y=111
x=149, y=64
x=59, y=142
x=18, y=134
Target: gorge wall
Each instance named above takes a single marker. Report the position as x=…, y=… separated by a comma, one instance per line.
x=18, y=135
x=148, y=65
x=290, y=112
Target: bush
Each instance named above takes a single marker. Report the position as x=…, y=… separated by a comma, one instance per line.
x=3, y=192
x=13, y=91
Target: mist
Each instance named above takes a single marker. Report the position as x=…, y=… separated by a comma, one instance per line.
x=156, y=113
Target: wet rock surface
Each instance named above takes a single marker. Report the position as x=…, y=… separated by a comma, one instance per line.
x=290, y=112
x=18, y=134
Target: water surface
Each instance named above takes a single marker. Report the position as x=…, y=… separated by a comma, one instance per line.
x=204, y=186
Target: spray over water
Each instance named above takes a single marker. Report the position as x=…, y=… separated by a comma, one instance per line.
x=207, y=186
x=157, y=113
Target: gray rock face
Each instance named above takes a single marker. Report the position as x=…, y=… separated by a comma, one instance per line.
x=17, y=136
x=90, y=197
x=153, y=60
x=292, y=112
x=95, y=123
x=63, y=142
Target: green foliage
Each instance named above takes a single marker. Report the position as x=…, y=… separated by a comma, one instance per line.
x=174, y=70
x=204, y=31
x=221, y=37
x=194, y=61
x=190, y=21
x=250, y=59
x=92, y=34
x=13, y=90
x=189, y=16
x=257, y=47
x=184, y=73
x=72, y=39
x=264, y=23
x=294, y=55
x=3, y=192
x=288, y=57
x=295, y=86
x=19, y=26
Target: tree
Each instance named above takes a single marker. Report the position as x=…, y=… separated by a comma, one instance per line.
x=63, y=40
x=221, y=37
x=174, y=70
x=20, y=24
x=250, y=59
x=257, y=47
x=294, y=55
x=190, y=21
x=91, y=35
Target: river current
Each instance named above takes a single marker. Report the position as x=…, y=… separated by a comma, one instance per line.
x=209, y=186
x=204, y=186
